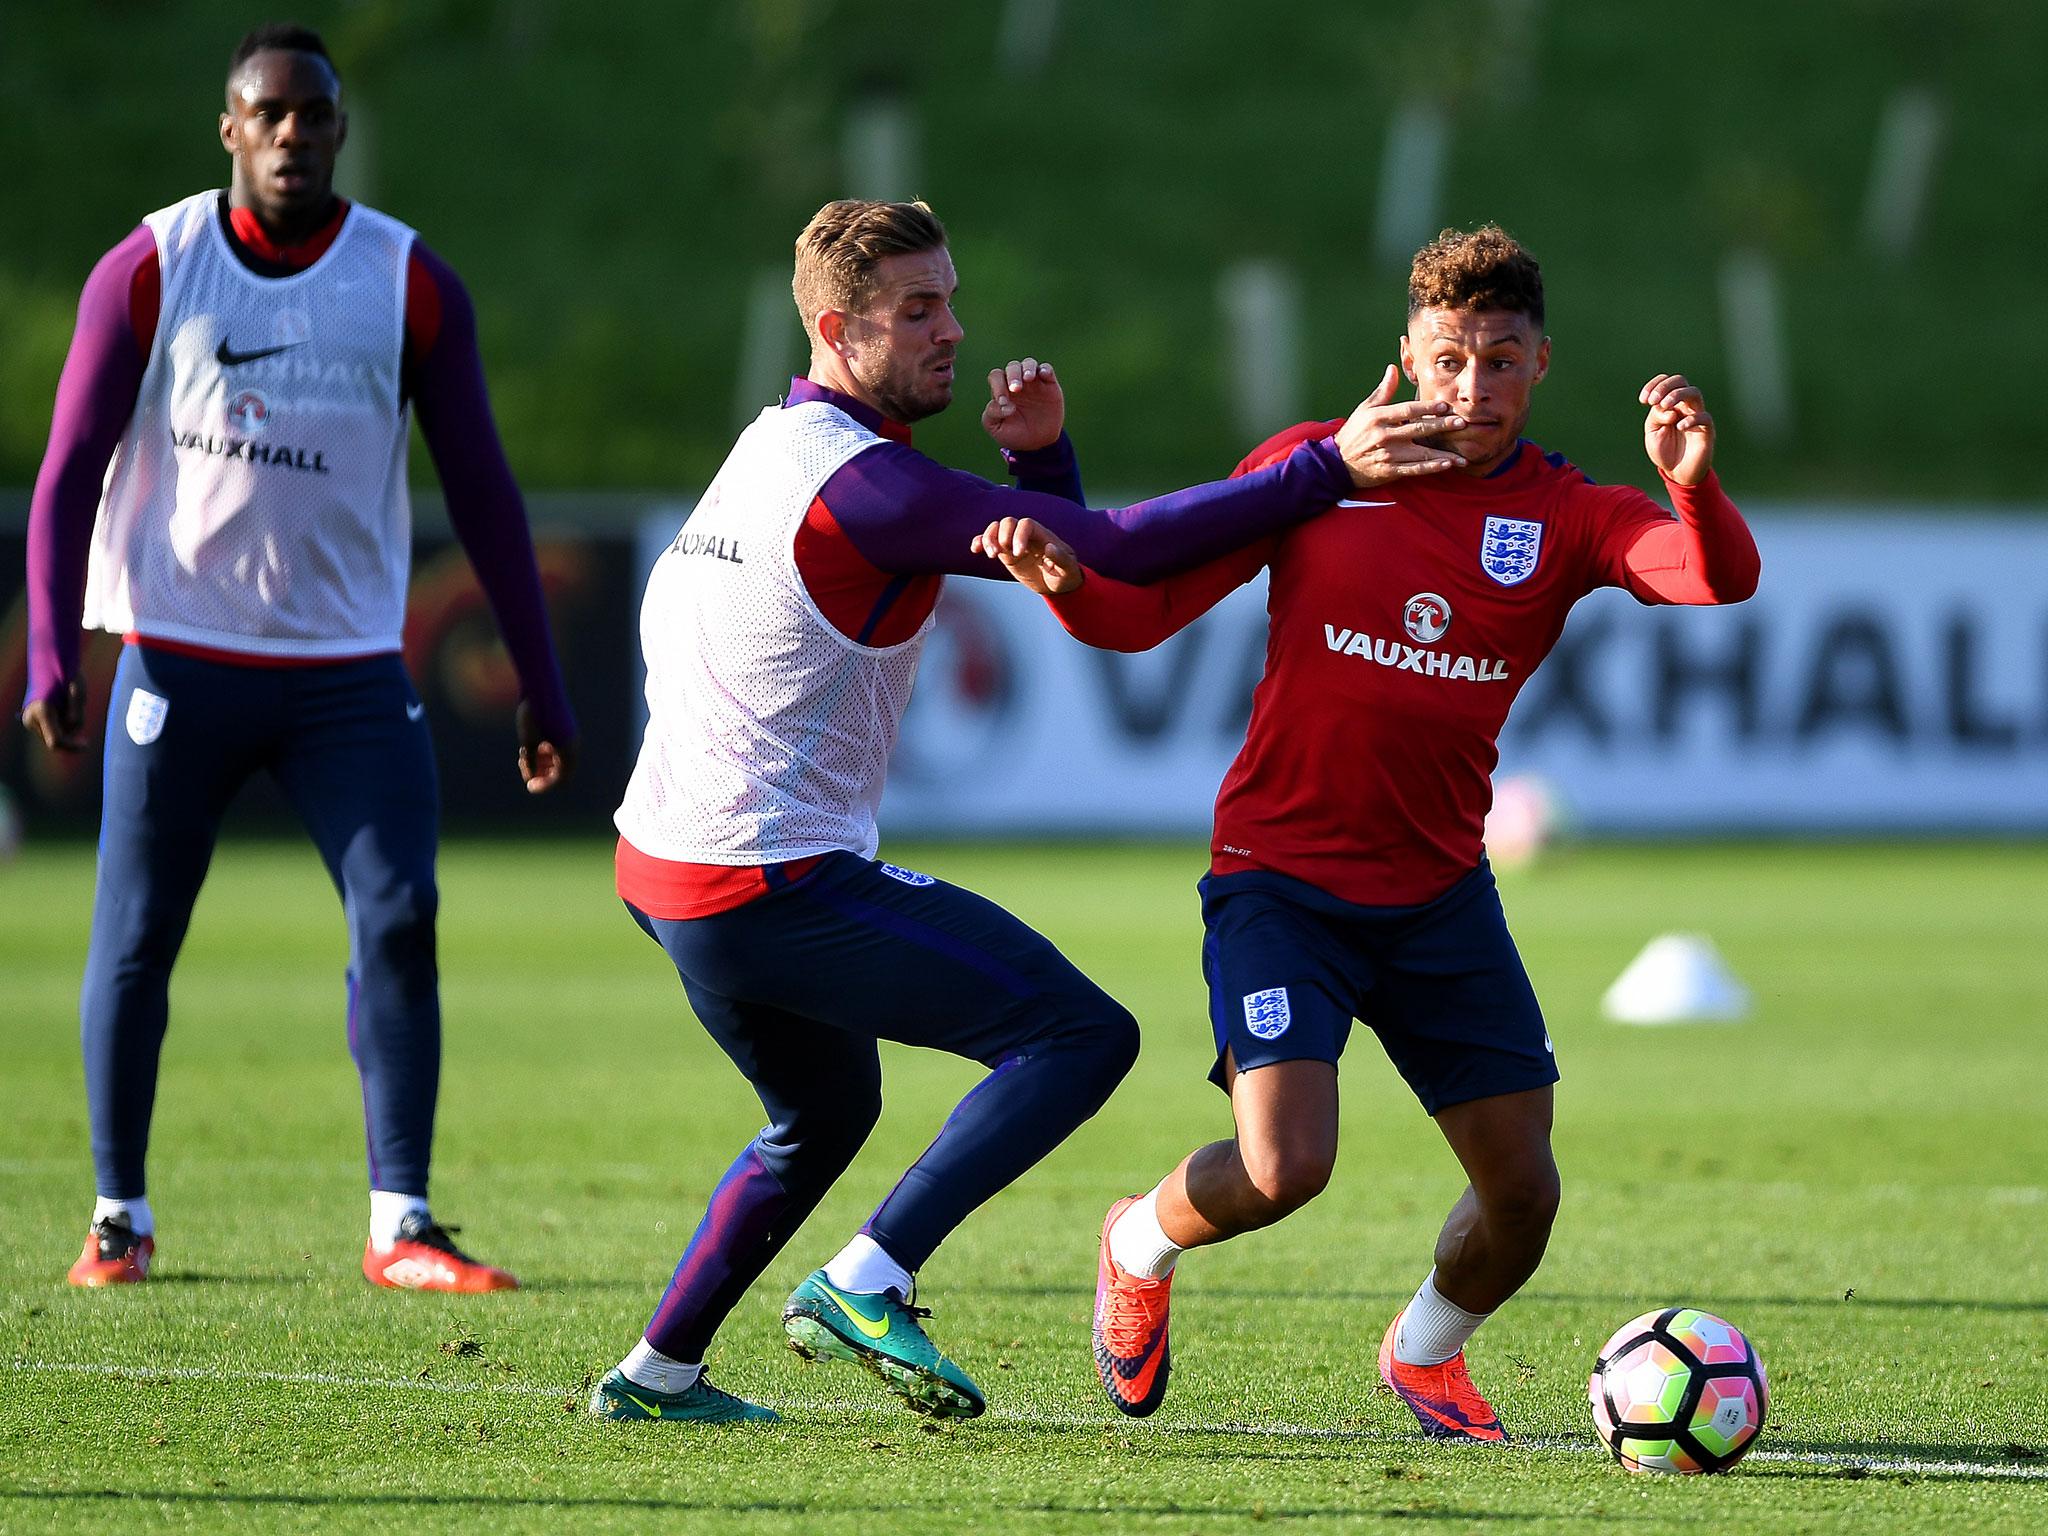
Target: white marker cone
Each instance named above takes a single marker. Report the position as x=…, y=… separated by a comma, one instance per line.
x=1679, y=978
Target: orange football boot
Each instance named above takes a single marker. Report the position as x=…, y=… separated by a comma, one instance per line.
x=425, y=1258
x=1441, y=1397
x=114, y=1255
x=1132, y=1354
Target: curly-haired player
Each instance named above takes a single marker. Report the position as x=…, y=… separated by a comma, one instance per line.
x=1348, y=880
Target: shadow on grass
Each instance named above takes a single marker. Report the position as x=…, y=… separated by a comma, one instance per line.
x=113, y=1497
x=1340, y=1296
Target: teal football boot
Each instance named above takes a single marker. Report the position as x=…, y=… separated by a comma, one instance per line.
x=699, y=1403
x=880, y=1334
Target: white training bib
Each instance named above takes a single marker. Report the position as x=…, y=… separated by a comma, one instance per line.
x=257, y=501
x=768, y=731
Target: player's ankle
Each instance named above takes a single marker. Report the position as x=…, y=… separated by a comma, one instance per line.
x=1432, y=1329
x=134, y=1213
x=646, y=1366
x=1138, y=1245
x=865, y=1267
x=388, y=1211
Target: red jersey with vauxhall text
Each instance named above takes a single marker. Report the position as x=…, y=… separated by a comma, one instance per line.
x=1403, y=623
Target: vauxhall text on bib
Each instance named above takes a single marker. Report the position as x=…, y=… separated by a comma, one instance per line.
x=768, y=731
x=257, y=501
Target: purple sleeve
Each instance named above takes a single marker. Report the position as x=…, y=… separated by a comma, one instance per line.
x=484, y=505
x=96, y=395
x=1051, y=471
x=912, y=517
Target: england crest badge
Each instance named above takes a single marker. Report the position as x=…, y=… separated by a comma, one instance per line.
x=146, y=712
x=1509, y=548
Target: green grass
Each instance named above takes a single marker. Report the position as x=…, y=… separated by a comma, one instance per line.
x=611, y=179
x=1876, y=1128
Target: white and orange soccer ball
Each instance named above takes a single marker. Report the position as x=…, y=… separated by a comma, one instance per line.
x=1678, y=1390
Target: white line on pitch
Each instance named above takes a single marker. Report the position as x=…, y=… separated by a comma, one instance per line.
x=1904, y=1464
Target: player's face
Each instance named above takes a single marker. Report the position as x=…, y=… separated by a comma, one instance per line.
x=284, y=126
x=1485, y=363
x=904, y=345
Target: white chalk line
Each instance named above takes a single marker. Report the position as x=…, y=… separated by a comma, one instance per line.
x=1904, y=1465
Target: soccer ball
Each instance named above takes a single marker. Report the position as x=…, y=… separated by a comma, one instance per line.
x=1678, y=1390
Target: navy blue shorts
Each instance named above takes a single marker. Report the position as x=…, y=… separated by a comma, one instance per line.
x=1289, y=967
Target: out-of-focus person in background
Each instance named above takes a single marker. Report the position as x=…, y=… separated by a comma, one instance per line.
x=225, y=487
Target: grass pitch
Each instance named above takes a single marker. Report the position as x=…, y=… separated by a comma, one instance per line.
x=1855, y=1176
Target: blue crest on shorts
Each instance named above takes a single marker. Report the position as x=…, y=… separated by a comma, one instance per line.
x=1508, y=549
x=1266, y=1013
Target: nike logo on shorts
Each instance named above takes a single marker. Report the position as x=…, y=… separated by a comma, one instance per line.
x=415, y=711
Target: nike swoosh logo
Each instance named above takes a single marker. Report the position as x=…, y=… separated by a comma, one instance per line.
x=228, y=357
x=1132, y=1369
x=415, y=711
x=872, y=1329
x=650, y=1409
x=1343, y=503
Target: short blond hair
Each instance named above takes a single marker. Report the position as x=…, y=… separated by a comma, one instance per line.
x=838, y=252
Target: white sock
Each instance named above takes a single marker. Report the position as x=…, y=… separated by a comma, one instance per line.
x=1137, y=1242
x=387, y=1210
x=648, y=1367
x=1432, y=1329
x=863, y=1266
x=135, y=1212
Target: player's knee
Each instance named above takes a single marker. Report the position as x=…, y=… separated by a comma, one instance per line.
x=1287, y=1174
x=1116, y=1040
x=823, y=1136
x=1099, y=1037
x=398, y=913
x=1526, y=1202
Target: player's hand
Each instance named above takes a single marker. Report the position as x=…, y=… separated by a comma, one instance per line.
x=1678, y=434
x=1384, y=440
x=60, y=719
x=1037, y=559
x=1026, y=408
x=542, y=763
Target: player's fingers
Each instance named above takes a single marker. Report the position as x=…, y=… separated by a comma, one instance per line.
x=1383, y=393
x=998, y=384
x=1030, y=370
x=1415, y=410
x=1648, y=393
x=1428, y=426
x=1435, y=463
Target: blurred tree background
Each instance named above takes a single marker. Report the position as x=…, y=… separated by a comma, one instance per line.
x=1827, y=214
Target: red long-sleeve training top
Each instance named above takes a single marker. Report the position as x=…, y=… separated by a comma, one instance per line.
x=1402, y=624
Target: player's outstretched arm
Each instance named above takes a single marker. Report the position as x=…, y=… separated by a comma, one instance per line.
x=1111, y=615
x=910, y=517
x=1708, y=555
x=489, y=517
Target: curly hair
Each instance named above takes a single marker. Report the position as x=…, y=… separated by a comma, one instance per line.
x=838, y=252
x=1485, y=268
